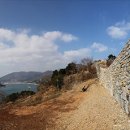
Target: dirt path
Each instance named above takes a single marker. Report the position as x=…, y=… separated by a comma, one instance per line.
x=73, y=110
x=97, y=111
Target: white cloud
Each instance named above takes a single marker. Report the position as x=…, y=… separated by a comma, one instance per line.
x=77, y=54
x=116, y=32
x=99, y=47
x=21, y=51
x=59, y=35
x=6, y=34
x=68, y=37
x=119, y=30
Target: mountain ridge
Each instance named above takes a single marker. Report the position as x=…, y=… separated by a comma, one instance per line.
x=24, y=76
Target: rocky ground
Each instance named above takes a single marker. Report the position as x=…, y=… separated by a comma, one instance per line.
x=94, y=109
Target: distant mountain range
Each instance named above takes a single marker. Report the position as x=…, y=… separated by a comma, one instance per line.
x=25, y=76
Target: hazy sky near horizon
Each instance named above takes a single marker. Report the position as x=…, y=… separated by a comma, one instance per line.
x=40, y=35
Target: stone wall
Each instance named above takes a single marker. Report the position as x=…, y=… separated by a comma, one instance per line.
x=116, y=78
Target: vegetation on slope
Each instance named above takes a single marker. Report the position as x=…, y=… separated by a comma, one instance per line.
x=14, y=96
x=63, y=79
x=66, y=77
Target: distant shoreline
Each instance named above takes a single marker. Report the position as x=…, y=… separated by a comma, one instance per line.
x=19, y=83
x=15, y=87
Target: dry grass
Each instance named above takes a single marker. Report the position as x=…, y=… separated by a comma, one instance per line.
x=72, y=110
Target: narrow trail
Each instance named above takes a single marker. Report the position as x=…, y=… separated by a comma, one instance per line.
x=73, y=110
x=97, y=111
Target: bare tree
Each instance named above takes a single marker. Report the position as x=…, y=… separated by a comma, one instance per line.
x=86, y=61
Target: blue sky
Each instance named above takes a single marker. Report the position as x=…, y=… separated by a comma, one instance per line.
x=47, y=34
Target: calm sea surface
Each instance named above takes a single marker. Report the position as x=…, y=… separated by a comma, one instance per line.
x=13, y=88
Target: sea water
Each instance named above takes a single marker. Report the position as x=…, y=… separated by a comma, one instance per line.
x=17, y=87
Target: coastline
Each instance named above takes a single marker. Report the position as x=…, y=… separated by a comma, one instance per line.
x=6, y=83
x=17, y=87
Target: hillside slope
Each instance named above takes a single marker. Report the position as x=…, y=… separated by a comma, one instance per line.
x=73, y=110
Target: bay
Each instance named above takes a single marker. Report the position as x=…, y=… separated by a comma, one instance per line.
x=17, y=87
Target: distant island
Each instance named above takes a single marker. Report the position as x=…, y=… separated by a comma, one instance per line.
x=27, y=77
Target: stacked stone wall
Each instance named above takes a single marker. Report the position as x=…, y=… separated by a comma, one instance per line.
x=116, y=78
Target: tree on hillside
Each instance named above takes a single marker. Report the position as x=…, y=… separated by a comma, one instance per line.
x=71, y=68
x=110, y=59
x=57, y=78
x=54, y=77
x=86, y=63
x=62, y=71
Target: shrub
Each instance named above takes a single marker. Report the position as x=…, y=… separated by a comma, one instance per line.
x=86, y=64
x=110, y=59
x=88, y=75
x=71, y=68
x=14, y=96
x=57, y=78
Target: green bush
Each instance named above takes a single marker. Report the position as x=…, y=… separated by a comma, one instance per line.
x=71, y=68
x=14, y=96
x=110, y=59
x=57, y=78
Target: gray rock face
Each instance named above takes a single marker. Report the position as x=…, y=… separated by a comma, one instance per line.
x=116, y=78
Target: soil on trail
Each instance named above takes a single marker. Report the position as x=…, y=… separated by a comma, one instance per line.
x=94, y=109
